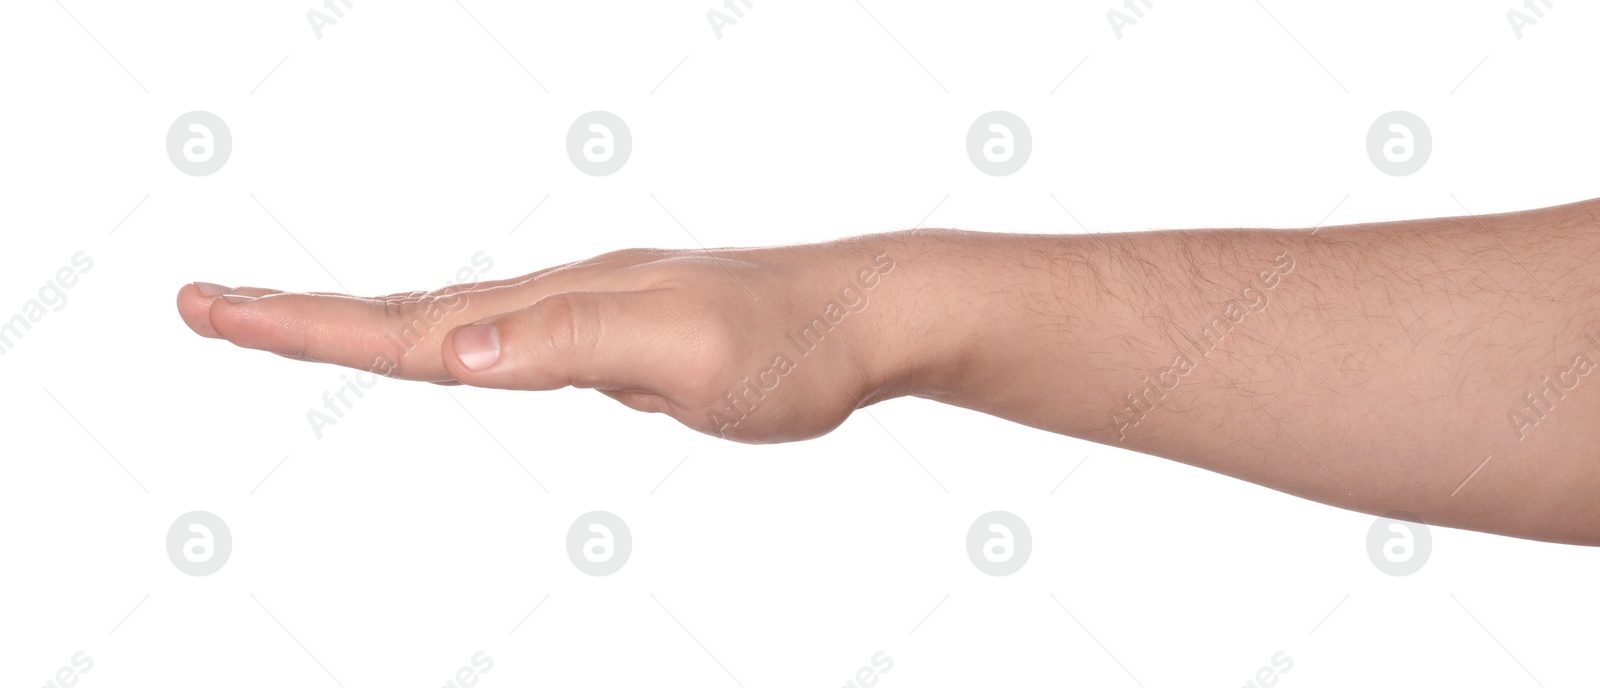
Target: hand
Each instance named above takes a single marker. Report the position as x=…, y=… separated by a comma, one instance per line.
x=755, y=345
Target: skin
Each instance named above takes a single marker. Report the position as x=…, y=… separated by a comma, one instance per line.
x=1381, y=368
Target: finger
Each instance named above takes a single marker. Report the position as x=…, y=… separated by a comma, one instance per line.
x=622, y=341
x=397, y=336
x=194, y=306
x=195, y=299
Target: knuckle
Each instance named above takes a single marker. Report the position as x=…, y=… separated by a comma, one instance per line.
x=568, y=326
x=411, y=321
x=628, y=255
x=398, y=308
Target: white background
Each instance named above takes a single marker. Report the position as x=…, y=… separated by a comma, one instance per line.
x=406, y=139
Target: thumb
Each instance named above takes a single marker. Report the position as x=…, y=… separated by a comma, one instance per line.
x=608, y=340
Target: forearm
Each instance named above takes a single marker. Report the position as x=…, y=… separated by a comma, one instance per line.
x=1373, y=367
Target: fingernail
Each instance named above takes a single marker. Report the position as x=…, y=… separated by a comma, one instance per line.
x=478, y=346
x=237, y=298
x=208, y=289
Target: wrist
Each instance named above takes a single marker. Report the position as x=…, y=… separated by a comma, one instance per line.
x=930, y=314
x=979, y=319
